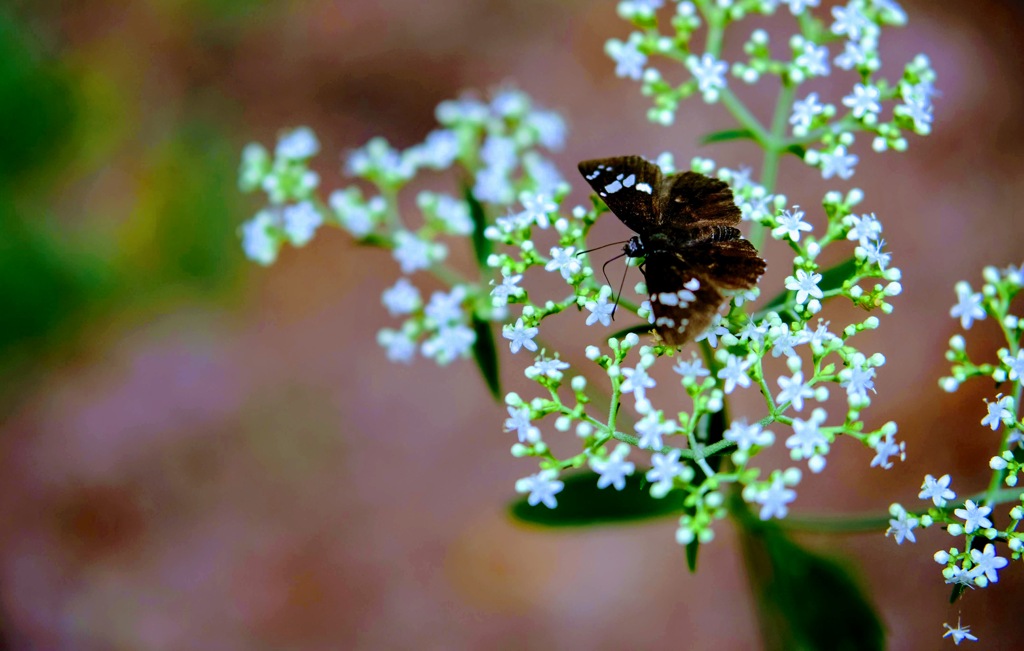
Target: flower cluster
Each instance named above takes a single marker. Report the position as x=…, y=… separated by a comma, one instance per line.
x=495, y=143
x=823, y=132
x=977, y=564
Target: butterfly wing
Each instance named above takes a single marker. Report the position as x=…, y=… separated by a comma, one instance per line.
x=683, y=299
x=690, y=198
x=731, y=265
x=628, y=184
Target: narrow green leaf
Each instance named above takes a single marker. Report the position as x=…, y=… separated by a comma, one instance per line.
x=797, y=150
x=806, y=601
x=691, y=555
x=831, y=278
x=486, y=355
x=581, y=503
x=482, y=246
x=727, y=135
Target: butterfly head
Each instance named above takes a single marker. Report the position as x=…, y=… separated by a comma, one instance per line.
x=634, y=248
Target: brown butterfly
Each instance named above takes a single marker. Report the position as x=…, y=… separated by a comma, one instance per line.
x=686, y=233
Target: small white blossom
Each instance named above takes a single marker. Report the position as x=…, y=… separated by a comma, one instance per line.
x=542, y=488
x=519, y=422
x=807, y=441
x=837, y=163
x=796, y=7
x=735, y=373
x=814, y=59
x=713, y=332
x=888, y=447
x=666, y=467
x=536, y=208
x=804, y=111
x=986, y=563
x=936, y=490
x=710, y=74
x=411, y=252
x=1015, y=365
x=492, y=185
x=873, y=254
x=745, y=436
x=637, y=381
x=805, y=285
x=651, y=428
x=298, y=144
x=794, y=390
x=973, y=516
x=791, y=224
x=451, y=342
x=968, y=307
x=300, y=222
x=454, y=214
x=775, y=499
x=691, y=368
x=854, y=54
x=564, y=261
x=857, y=380
x=600, y=310
x=850, y=22
x=959, y=633
x=446, y=307
x=438, y=150
x=257, y=242
x=629, y=60
x=520, y=336
x=398, y=345
x=401, y=298
x=902, y=527
x=863, y=101
x=865, y=228
x=551, y=368
x=998, y=412
x=508, y=287
x=614, y=469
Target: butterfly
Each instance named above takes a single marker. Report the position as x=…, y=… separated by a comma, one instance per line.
x=687, y=235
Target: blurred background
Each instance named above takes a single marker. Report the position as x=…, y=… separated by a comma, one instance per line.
x=197, y=453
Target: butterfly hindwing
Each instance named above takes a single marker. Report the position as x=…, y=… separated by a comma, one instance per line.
x=690, y=198
x=732, y=264
x=628, y=184
x=683, y=299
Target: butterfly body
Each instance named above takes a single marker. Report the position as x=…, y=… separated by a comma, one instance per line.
x=687, y=235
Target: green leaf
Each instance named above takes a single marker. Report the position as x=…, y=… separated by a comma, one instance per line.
x=486, y=355
x=581, y=503
x=727, y=135
x=806, y=601
x=482, y=246
x=832, y=278
x=691, y=555
x=797, y=150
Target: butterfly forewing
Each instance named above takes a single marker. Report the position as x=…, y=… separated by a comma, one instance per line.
x=689, y=198
x=628, y=185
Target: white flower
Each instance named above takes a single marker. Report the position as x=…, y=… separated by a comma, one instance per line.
x=520, y=336
x=804, y=111
x=508, y=287
x=798, y=6
x=601, y=310
x=865, y=229
x=454, y=214
x=785, y=342
x=805, y=285
x=550, y=128
x=713, y=332
x=837, y=163
x=863, y=100
x=968, y=306
x=854, y=54
x=666, y=467
x=936, y=490
x=753, y=332
x=300, y=222
x=850, y=22
x=498, y=152
x=542, y=488
x=536, y=208
x=629, y=60
x=794, y=390
x=814, y=59
x=902, y=527
x=551, y=368
x=735, y=373
x=411, y=252
x=959, y=633
x=399, y=346
x=446, y=307
x=691, y=368
x=492, y=185
x=791, y=224
x=438, y=150
x=872, y=252
x=774, y=499
x=401, y=298
x=974, y=516
x=998, y=412
x=298, y=144
x=986, y=563
x=745, y=436
x=450, y=343
x=887, y=447
x=519, y=422
x=808, y=441
x=564, y=261
x=257, y=242
x=1015, y=365
x=637, y=382
x=857, y=381
x=651, y=428
x=710, y=74
x=614, y=469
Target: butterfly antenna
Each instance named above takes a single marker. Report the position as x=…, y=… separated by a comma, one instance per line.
x=603, y=246
x=605, y=273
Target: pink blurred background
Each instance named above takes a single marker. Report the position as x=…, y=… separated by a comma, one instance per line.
x=225, y=460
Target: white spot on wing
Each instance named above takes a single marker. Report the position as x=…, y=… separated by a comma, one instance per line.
x=693, y=284
x=643, y=187
x=629, y=180
x=613, y=187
